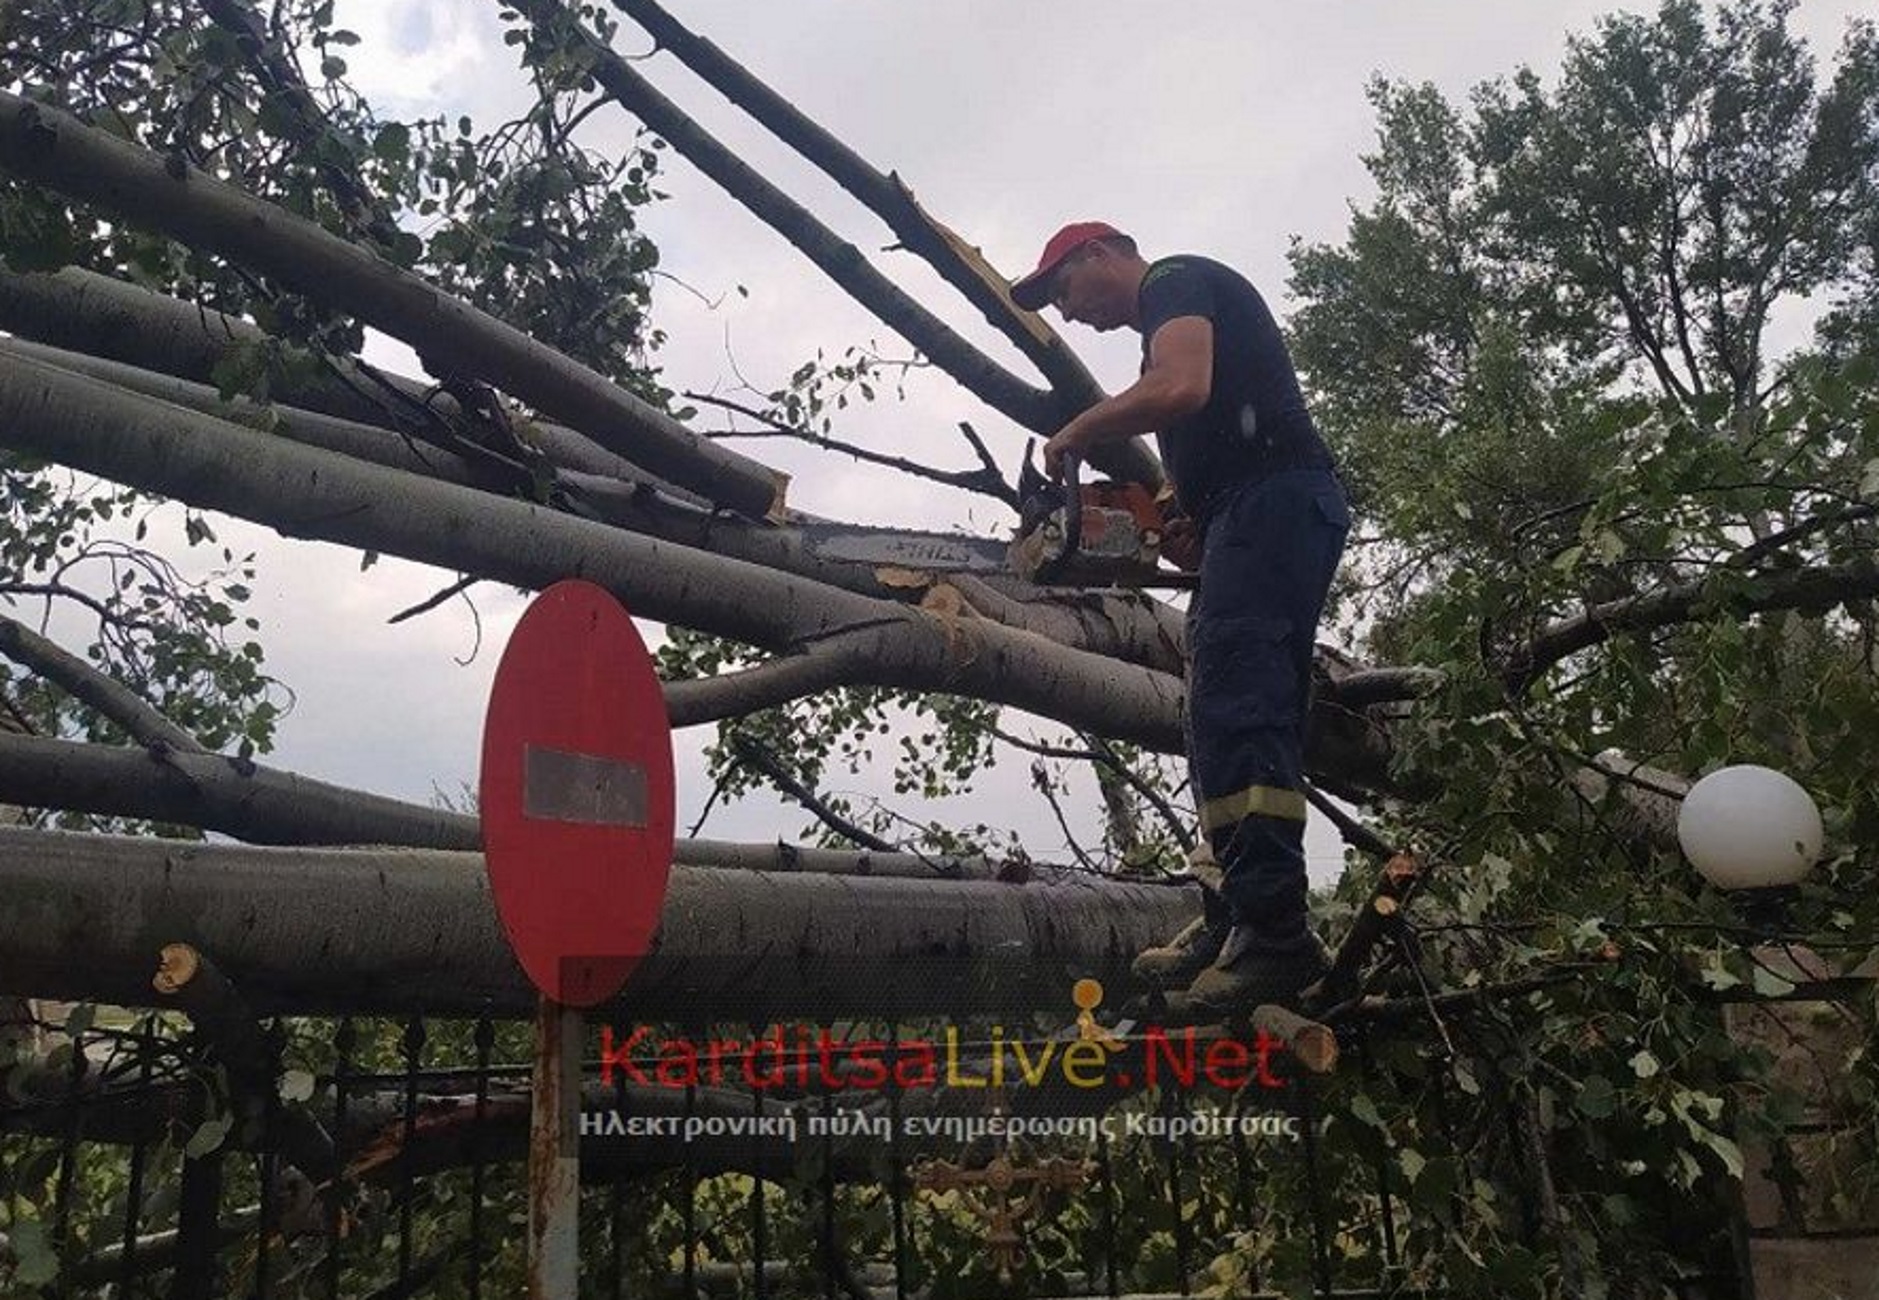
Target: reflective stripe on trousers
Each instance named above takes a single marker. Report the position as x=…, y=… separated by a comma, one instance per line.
x=1261, y=800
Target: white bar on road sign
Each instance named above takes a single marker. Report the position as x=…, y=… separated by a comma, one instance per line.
x=559, y=786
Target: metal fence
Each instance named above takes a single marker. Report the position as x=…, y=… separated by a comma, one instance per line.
x=142, y=1157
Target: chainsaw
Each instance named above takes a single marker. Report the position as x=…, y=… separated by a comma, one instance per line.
x=1107, y=534
x=1069, y=534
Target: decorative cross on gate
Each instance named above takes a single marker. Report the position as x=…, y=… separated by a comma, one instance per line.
x=1001, y=1212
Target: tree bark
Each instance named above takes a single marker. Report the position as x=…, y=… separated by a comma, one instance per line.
x=53, y=148
x=1132, y=627
x=303, y=492
x=828, y=636
x=366, y=932
x=638, y=505
x=230, y=796
x=1820, y=587
x=85, y=314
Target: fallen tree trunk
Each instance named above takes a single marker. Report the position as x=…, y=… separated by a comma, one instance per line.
x=303, y=492
x=53, y=148
x=384, y=931
x=889, y=199
x=263, y=805
x=211, y=792
x=959, y=264
x=81, y=313
x=1130, y=627
x=839, y=637
x=1645, y=799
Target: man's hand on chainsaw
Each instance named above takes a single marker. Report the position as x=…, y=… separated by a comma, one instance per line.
x=1180, y=539
x=1180, y=543
x=1065, y=442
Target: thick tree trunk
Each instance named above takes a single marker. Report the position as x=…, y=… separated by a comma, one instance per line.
x=220, y=466
x=82, y=313
x=1131, y=627
x=53, y=148
x=638, y=505
x=840, y=637
x=365, y=932
x=229, y=796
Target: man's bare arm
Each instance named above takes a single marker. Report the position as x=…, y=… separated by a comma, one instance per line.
x=1177, y=382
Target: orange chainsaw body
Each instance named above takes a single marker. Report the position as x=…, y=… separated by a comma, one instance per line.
x=1117, y=543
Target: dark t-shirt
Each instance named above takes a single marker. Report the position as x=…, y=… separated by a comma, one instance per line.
x=1255, y=422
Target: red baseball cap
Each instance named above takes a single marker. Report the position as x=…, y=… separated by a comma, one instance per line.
x=1033, y=291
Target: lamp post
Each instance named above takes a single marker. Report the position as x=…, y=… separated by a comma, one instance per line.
x=1754, y=832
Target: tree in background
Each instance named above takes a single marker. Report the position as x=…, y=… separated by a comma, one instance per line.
x=1563, y=355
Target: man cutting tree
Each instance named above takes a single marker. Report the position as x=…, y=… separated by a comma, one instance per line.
x=1267, y=514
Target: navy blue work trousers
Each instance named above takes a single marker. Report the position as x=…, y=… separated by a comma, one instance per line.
x=1270, y=552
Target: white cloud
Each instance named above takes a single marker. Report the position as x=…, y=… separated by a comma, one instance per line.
x=415, y=55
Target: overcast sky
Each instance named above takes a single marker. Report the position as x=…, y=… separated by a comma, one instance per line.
x=1224, y=128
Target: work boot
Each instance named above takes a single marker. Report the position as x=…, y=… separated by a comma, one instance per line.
x=1175, y=963
x=1251, y=971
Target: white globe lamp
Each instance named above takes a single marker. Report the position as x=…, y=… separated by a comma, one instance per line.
x=1749, y=827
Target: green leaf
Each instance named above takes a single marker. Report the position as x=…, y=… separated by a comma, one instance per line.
x=1770, y=985
x=393, y=142
x=297, y=1086
x=1596, y=1098
x=36, y=1263
x=209, y=1135
x=1725, y=1149
x=1364, y=1111
x=1716, y=976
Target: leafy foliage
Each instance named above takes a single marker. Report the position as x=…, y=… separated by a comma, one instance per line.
x=1548, y=355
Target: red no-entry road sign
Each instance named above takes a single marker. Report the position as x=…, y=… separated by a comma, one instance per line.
x=577, y=794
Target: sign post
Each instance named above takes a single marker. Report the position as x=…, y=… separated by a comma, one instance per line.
x=576, y=794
